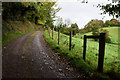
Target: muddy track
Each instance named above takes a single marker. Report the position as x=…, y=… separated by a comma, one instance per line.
x=31, y=57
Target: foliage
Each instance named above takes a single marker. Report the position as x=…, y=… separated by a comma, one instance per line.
x=12, y=10
x=12, y=29
x=63, y=26
x=107, y=23
x=95, y=32
x=111, y=9
x=17, y=17
x=107, y=37
x=112, y=22
x=113, y=34
x=82, y=31
x=75, y=55
x=93, y=24
x=39, y=12
x=71, y=56
x=75, y=28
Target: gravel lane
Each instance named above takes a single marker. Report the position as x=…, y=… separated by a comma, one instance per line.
x=27, y=57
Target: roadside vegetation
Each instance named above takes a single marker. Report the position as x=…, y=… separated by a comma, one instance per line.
x=13, y=29
x=111, y=64
x=93, y=27
x=19, y=18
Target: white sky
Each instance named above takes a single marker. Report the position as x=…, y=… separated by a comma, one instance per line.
x=81, y=13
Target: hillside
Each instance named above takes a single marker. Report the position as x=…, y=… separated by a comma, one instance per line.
x=113, y=33
x=12, y=29
x=20, y=18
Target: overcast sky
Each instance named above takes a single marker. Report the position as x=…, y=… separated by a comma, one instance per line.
x=81, y=13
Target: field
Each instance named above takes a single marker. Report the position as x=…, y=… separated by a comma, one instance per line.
x=111, y=61
x=113, y=33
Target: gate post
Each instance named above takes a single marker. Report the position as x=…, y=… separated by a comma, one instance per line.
x=101, y=52
x=84, y=48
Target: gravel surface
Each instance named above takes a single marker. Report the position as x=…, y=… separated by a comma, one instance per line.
x=27, y=57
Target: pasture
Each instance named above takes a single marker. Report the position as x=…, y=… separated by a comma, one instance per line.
x=111, y=59
x=113, y=33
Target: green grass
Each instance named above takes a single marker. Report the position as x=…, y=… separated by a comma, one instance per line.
x=61, y=49
x=82, y=35
x=11, y=36
x=113, y=33
x=74, y=56
x=111, y=61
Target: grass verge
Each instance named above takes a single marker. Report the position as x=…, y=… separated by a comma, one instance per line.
x=74, y=58
x=10, y=37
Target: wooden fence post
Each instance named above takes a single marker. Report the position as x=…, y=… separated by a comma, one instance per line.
x=101, y=52
x=52, y=32
x=84, y=48
x=49, y=31
x=70, y=41
x=58, y=36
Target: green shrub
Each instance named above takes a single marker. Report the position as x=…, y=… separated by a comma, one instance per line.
x=107, y=37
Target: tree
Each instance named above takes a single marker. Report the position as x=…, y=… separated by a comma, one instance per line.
x=107, y=23
x=112, y=22
x=13, y=11
x=111, y=9
x=82, y=31
x=93, y=24
x=75, y=28
x=107, y=36
x=41, y=13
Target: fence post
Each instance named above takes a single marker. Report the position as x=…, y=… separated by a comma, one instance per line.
x=70, y=41
x=101, y=52
x=49, y=31
x=58, y=36
x=52, y=32
x=84, y=48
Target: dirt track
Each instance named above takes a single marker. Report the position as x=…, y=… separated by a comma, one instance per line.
x=27, y=57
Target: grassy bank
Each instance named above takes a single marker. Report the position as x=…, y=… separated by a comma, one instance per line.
x=13, y=29
x=111, y=64
x=74, y=56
